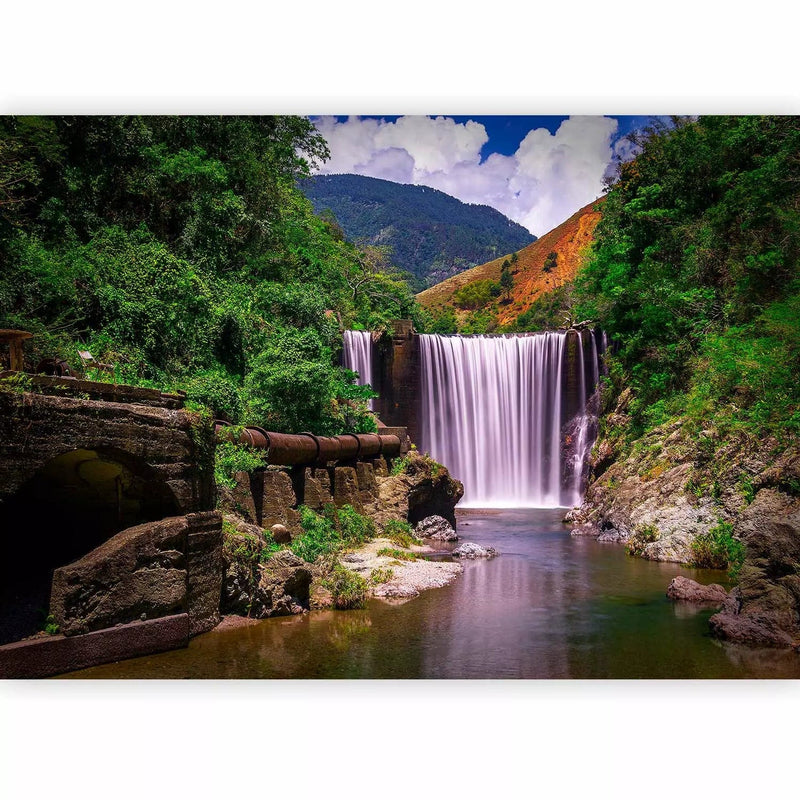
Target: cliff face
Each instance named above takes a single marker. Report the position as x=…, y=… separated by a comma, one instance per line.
x=663, y=491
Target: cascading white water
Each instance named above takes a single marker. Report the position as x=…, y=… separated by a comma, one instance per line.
x=357, y=356
x=492, y=410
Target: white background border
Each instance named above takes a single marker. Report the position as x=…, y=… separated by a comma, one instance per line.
x=397, y=739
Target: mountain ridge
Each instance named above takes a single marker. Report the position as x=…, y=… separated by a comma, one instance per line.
x=433, y=235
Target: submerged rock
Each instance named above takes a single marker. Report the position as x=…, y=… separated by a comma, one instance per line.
x=436, y=527
x=614, y=536
x=689, y=591
x=472, y=550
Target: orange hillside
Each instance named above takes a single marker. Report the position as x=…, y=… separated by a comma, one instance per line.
x=569, y=241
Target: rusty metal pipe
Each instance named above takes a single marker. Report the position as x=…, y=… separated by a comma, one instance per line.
x=293, y=449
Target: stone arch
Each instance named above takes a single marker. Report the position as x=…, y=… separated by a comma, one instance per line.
x=70, y=505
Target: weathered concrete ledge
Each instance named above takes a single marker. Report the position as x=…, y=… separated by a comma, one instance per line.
x=100, y=390
x=53, y=655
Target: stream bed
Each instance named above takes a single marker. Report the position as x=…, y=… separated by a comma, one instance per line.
x=549, y=606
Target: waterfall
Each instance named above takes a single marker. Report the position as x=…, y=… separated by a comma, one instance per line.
x=508, y=415
x=357, y=356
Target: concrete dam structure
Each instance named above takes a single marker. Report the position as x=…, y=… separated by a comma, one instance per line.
x=512, y=416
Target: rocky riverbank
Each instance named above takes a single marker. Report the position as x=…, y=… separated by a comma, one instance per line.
x=265, y=577
x=671, y=490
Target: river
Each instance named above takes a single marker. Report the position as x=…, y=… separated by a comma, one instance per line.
x=550, y=606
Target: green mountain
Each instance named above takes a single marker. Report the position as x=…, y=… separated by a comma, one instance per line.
x=431, y=234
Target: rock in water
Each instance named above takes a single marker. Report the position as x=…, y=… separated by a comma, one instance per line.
x=689, y=591
x=472, y=550
x=436, y=527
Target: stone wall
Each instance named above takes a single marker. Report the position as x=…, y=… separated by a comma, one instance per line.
x=109, y=492
x=35, y=428
x=368, y=485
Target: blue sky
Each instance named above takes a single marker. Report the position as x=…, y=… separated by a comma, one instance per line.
x=537, y=170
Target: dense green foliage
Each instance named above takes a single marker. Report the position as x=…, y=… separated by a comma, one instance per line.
x=695, y=275
x=333, y=530
x=431, y=234
x=718, y=549
x=400, y=532
x=179, y=250
x=549, y=311
x=477, y=294
x=230, y=458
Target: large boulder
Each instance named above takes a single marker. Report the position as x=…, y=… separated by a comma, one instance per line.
x=140, y=573
x=436, y=527
x=472, y=550
x=422, y=488
x=688, y=591
x=765, y=608
x=432, y=491
x=676, y=547
x=242, y=548
x=283, y=586
x=280, y=534
x=255, y=587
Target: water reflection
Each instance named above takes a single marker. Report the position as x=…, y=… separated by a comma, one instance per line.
x=550, y=606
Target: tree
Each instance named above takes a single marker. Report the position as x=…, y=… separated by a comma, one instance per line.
x=506, y=280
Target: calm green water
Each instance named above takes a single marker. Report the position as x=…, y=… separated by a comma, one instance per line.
x=550, y=606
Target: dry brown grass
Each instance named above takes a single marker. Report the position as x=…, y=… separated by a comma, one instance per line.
x=570, y=240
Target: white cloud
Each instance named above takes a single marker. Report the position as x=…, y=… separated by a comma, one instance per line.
x=549, y=177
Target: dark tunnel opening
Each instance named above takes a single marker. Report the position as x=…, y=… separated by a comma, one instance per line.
x=74, y=503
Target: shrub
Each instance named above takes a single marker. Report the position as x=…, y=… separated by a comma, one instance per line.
x=405, y=464
x=746, y=488
x=399, y=466
x=380, y=575
x=51, y=626
x=16, y=383
x=349, y=589
x=400, y=533
x=218, y=392
x=320, y=536
x=477, y=294
x=354, y=528
x=719, y=549
x=400, y=555
x=332, y=531
x=230, y=458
